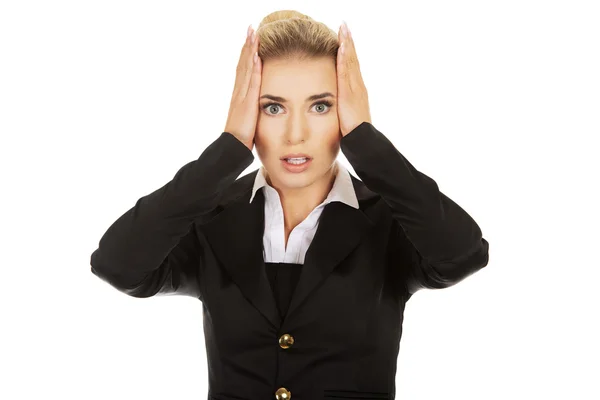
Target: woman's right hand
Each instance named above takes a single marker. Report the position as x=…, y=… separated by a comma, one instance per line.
x=243, y=109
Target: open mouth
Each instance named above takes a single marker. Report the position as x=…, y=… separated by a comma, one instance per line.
x=296, y=164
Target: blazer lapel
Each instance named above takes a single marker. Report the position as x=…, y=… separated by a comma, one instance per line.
x=236, y=237
x=340, y=230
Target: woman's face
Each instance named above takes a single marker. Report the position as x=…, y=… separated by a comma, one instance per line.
x=298, y=125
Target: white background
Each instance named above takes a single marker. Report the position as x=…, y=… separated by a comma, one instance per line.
x=101, y=102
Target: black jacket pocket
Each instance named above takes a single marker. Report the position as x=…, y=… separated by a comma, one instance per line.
x=353, y=394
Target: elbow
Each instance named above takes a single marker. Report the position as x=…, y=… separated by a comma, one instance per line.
x=454, y=271
x=130, y=285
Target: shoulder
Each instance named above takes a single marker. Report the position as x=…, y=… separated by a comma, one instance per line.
x=239, y=190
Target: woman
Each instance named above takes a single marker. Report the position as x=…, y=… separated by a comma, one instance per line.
x=302, y=269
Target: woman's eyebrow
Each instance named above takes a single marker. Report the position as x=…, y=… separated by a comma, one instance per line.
x=310, y=98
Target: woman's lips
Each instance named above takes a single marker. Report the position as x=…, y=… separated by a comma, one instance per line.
x=296, y=155
x=296, y=168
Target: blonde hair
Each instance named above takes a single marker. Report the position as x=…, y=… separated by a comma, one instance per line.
x=291, y=35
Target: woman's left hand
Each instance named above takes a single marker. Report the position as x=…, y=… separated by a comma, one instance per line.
x=352, y=98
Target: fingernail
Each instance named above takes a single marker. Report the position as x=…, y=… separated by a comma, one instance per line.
x=253, y=36
x=248, y=31
x=345, y=28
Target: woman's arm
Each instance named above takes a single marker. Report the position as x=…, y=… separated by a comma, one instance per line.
x=153, y=248
x=440, y=242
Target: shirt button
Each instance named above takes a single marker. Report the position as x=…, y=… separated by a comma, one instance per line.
x=283, y=394
x=286, y=341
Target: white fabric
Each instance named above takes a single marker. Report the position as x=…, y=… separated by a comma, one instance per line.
x=274, y=249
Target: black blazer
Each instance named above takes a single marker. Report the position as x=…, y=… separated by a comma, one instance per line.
x=199, y=236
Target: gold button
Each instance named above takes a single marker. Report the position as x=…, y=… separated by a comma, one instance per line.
x=283, y=394
x=286, y=341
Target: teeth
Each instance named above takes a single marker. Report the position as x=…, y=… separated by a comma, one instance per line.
x=296, y=160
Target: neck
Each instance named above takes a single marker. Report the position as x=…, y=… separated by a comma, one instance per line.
x=298, y=203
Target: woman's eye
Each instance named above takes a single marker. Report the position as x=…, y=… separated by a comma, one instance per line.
x=321, y=106
x=275, y=106
x=270, y=106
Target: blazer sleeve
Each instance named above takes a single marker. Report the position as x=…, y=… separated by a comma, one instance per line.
x=440, y=243
x=153, y=248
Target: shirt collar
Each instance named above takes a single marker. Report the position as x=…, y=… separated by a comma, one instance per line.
x=342, y=189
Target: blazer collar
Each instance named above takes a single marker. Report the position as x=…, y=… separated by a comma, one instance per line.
x=235, y=235
x=342, y=189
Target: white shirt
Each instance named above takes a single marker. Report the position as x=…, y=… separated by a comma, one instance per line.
x=274, y=249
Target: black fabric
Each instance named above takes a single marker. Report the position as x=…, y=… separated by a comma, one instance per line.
x=283, y=278
x=199, y=235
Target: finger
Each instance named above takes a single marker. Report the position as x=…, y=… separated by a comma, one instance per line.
x=350, y=51
x=256, y=75
x=244, y=64
x=343, y=71
x=243, y=51
x=351, y=62
x=249, y=69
